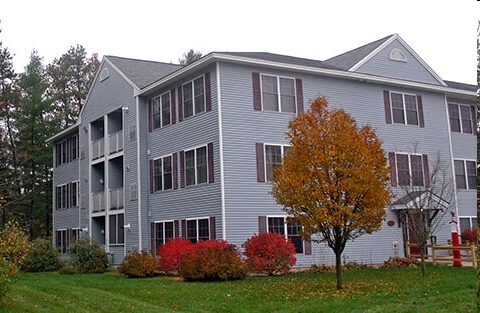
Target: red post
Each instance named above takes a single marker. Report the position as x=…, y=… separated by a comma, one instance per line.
x=455, y=241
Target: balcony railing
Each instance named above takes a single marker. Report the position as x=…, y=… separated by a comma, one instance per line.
x=98, y=149
x=116, y=198
x=116, y=141
x=98, y=200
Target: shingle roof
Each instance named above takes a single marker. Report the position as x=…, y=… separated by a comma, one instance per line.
x=279, y=58
x=347, y=60
x=461, y=86
x=142, y=73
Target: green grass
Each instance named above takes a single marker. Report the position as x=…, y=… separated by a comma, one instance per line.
x=445, y=289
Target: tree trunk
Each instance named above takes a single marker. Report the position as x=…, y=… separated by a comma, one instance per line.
x=338, y=267
x=423, y=265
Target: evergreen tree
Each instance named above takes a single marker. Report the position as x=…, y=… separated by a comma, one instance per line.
x=70, y=78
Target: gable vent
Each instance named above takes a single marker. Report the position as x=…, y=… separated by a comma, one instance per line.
x=398, y=55
x=105, y=74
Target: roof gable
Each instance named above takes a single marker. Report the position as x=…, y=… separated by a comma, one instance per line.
x=140, y=72
x=389, y=57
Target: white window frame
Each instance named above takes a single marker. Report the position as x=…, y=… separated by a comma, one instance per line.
x=410, y=176
x=460, y=117
x=162, y=174
x=196, y=165
x=194, y=96
x=197, y=229
x=162, y=122
x=465, y=174
x=282, y=147
x=285, y=230
x=279, y=93
x=164, y=240
x=404, y=108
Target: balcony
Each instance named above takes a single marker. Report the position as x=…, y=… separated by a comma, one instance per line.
x=98, y=200
x=98, y=149
x=116, y=198
x=116, y=142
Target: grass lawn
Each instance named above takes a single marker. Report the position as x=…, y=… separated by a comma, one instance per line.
x=445, y=289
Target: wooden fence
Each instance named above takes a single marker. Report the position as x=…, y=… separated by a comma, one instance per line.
x=444, y=253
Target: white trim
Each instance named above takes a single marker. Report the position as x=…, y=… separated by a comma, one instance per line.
x=452, y=163
x=195, y=159
x=220, y=152
x=172, y=160
x=139, y=177
x=409, y=49
x=279, y=93
x=215, y=57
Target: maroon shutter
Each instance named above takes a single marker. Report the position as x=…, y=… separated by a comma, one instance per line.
x=151, y=176
x=393, y=169
x=172, y=106
x=212, y=227
x=388, y=111
x=257, y=96
x=421, y=120
x=299, y=88
x=308, y=247
x=208, y=93
x=426, y=172
x=152, y=238
x=260, y=162
x=174, y=171
x=182, y=169
x=150, y=115
x=184, y=229
x=180, y=104
x=262, y=224
x=474, y=119
x=210, y=162
x=176, y=229
x=68, y=187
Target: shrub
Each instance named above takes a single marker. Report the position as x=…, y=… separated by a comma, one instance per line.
x=269, y=253
x=88, y=257
x=171, y=254
x=212, y=260
x=469, y=234
x=322, y=268
x=398, y=262
x=14, y=244
x=139, y=264
x=6, y=272
x=43, y=257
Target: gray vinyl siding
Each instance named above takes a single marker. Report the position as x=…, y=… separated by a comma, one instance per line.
x=412, y=70
x=246, y=199
x=190, y=202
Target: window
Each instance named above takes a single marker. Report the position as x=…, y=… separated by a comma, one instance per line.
x=278, y=93
x=160, y=111
x=401, y=108
x=162, y=173
x=290, y=230
x=65, y=237
x=460, y=117
x=163, y=232
x=67, y=150
x=193, y=94
x=409, y=169
x=133, y=192
x=197, y=165
x=198, y=229
x=67, y=195
x=467, y=222
x=465, y=174
x=117, y=233
x=133, y=132
x=268, y=158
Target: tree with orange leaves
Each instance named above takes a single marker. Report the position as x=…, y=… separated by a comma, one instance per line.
x=334, y=178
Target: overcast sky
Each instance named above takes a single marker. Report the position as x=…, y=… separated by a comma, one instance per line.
x=442, y=32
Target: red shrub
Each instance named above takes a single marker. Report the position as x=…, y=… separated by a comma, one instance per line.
x=213, y=260
x=171, y=254
x=469, y=234
x=269, y=253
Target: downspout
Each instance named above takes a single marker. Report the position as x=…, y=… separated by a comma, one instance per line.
x=220, y=151
x=139, y=176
